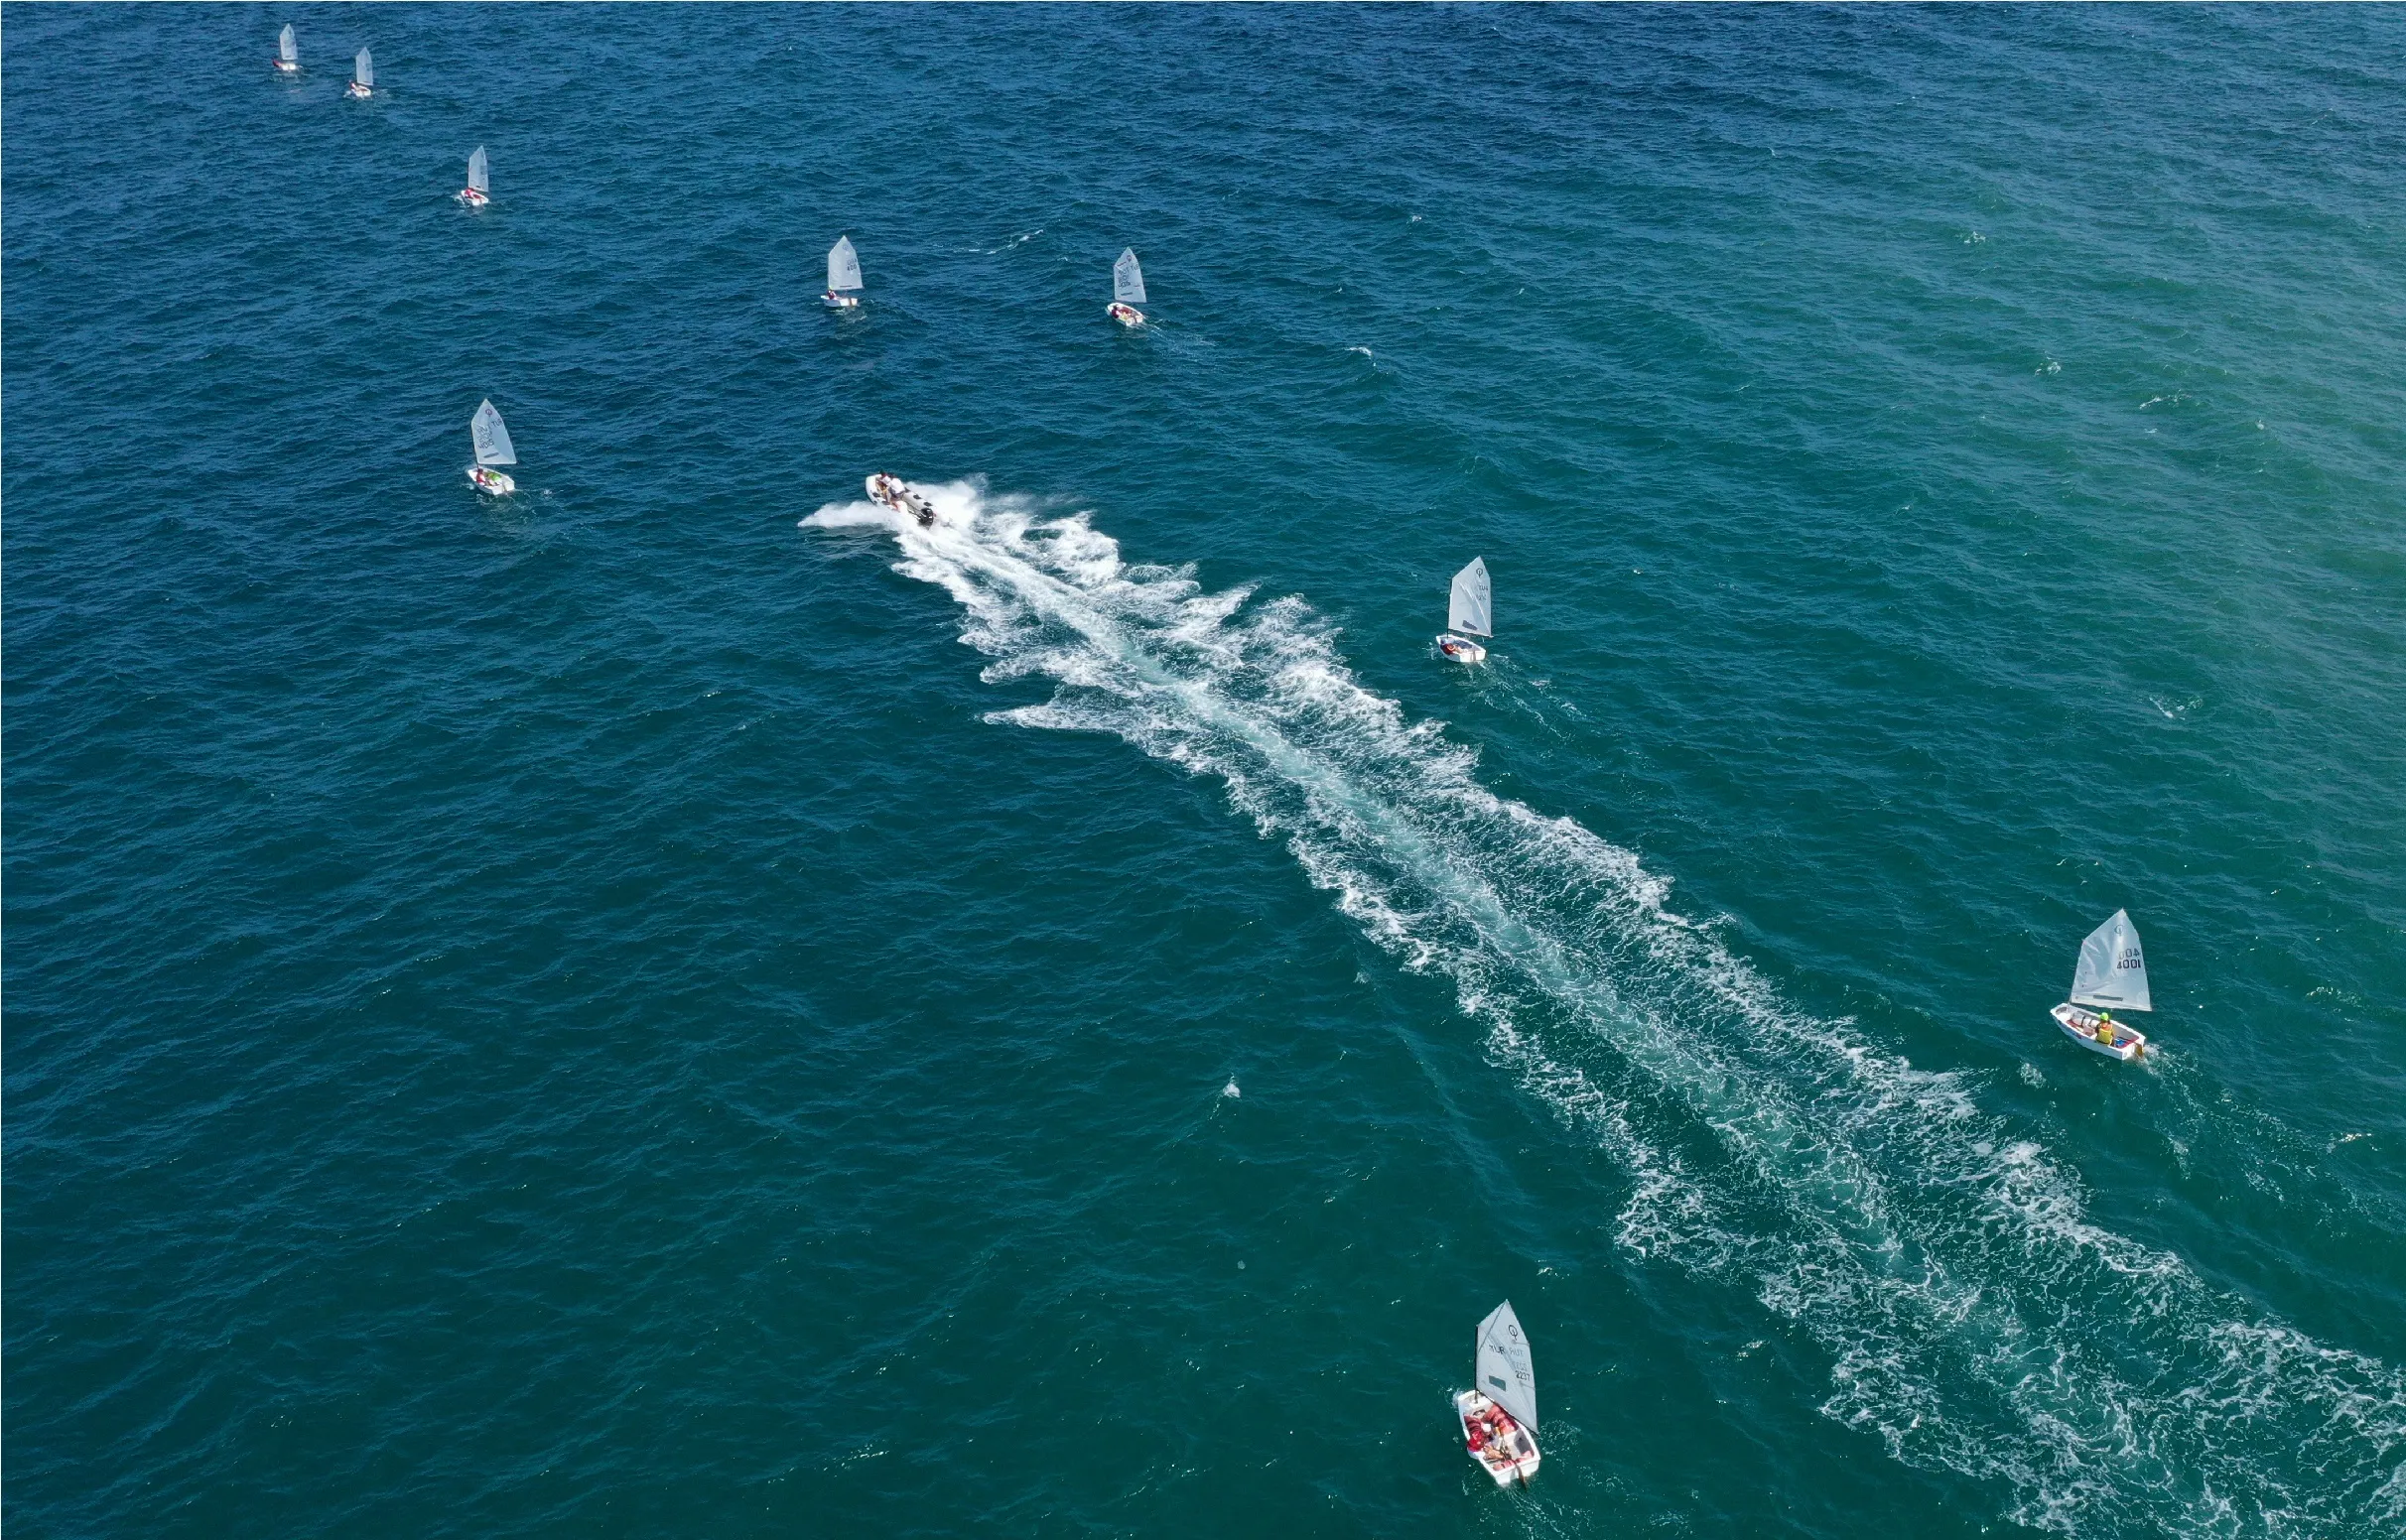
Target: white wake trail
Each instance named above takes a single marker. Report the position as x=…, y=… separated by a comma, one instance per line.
x=1977, y=1321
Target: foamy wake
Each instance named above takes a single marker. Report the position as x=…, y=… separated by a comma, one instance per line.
x=1977, y=1321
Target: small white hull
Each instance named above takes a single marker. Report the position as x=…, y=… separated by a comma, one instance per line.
x=472, y=199
x=896, y=493
x=2083, y=1027
x=1461, y=649
x=1498, y=1445
x=357, y=92
x=1125, y=315
x=839, y=302
x=492, y=482
x=285, y=66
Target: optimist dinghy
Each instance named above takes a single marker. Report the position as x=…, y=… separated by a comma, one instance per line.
x=842, y=276
x=2111, y=976
x=480, y=188
x=1500, y=1411
x=1469, y=612
x=896, y=493
x=493, y=449
x=1127, y=290
x=288, y=55
x=363, y=77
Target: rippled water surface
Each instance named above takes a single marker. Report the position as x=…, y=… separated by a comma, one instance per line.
x=678, y=1003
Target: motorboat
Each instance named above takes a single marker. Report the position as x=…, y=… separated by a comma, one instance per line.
x=842, y=276
x=1127, y=290
x=1469, y=612
x=899, y=495
x=1499, y=1413
x=480, y=189
x=494, y=450
x=2110, y=976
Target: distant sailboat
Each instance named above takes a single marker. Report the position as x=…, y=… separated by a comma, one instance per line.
x=364, y=77
x=288, y=55
x=1470, y=613
x=1500, y=1411
x=842, y=276
x=1127, y=290
x=2110, y=976
x=480, y=188
x=493, y=449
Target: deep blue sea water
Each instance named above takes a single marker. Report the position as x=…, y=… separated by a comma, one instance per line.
x=674, y=1004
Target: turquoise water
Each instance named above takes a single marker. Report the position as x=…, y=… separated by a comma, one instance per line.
x=673, y=1004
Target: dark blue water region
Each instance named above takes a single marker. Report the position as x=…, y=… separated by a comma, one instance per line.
x=677, y=1001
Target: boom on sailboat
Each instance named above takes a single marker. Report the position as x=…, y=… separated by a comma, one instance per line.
x=480, y=188
x=1469, y=612
x=842, y=276
x=2111, y=976
x=1127, y=290
x=494, y=450
x=1498, y=1412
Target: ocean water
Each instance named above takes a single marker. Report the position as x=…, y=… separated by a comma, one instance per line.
x=676, y=1005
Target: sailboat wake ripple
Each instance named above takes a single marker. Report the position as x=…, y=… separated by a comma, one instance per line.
x=1976, y=1320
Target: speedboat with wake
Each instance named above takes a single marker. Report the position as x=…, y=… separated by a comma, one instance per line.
x=288, y=55
x=1127, y=290
x=842, y=276
x=363, y=77
x=494, y=450
x=2111, y=976
x=1498, y=1412
x=1469, y=612
x=899, y=495
x=480, y=188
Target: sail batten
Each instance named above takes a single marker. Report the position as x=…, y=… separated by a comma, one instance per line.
x=1128, y=279
x=492, y=437
x=1505, y=1374
x=1472, y=609
x=363, y=68
x=479, y=171
x=843, y=266
x=286, y=50
x=2113, y=971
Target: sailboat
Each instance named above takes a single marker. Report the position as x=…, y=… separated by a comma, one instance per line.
x=480, y=188
x=288, y=55
x=1469, y=612
x=364, y=77
x=492, y=448
x=1127, y=290
x=2110, y=976
x=842, y=276
x=1500, y=1411
x=896, y=493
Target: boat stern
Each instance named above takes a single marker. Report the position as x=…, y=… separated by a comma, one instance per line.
x=2092, y=1032
x=1498, y=1445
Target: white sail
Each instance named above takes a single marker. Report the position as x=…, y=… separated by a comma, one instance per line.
x=1128, y=279
x=285, y=47
x=492, y=437
x=363, y=68
x=843, y=266
x=2111, y=974
x=1505, y=1375
x=479, y=175
x=1472, y=612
